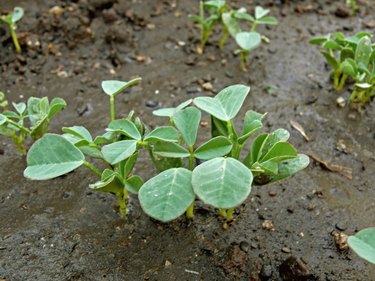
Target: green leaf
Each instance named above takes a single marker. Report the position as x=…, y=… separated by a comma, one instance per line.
x=332, y=45
x=118, y=151
x=114, y=87
x=280, y=151
x=330, y=59
x=260, y=12
x=187, y=122
x=252, y=123
x=37, y=109
x=91, y=151
x=3, y=119
x=163, y=163
x=256, y=150
x=346, y=53
x=17, y=14
x=167, y=195
x=363, y=244
x=347, y=68
x=289, y=167
x=111, y=184
x=243, y=15
x=79, y=132
x=218, y=127
x=163, y=133
x=248, y=40
x=57, y=104
x=319, y=40
x=267, y=20
x=126, y=127
x=279, y=135
x=218, y=146
x=226, y=104
x=133, y=184
x=40, y=128
x=20, y=107
x=170, y=149
x=231, y=23
x=129, y=164
x=222, y=182
x=52, y=156
x=217, y=4
x=168, y=112
x=363, y=51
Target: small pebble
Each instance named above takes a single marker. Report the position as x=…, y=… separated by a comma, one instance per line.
x=340, y=101
x=285, y=250
x=244, y=246
x=167, y=263
x=152, y=103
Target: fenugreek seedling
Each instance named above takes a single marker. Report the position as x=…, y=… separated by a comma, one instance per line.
x=11, y=20
x=37, y=114
x=353, y=5
x=363, y=244
x=351, y=57
x=3, y=102
x=215, y=10
x=223, y=180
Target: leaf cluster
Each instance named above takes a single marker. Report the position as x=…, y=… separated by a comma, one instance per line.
x=218, y=12
x=223, y=179
x=352, y=57
x=29, y=119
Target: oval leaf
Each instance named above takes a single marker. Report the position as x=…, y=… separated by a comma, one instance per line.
x=248, y=40
x=170, y=149
x=164, y=133
x=167, y=195
x=215, y=147
x=187, y=122
x=52, y=156
x=222, y=182
x=118, y=151
x=363, y=244
x=226, y=104
x=134, y=184
x=280, y=151
x=126, y=127
x=17, y=14
x=114, y=87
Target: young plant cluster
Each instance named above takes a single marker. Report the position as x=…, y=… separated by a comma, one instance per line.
x=218, y=172
x=11, y=20
x=351, y=57
x=217, y=12
x=38, y=112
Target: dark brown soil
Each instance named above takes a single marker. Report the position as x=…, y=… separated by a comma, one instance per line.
x=61, y=230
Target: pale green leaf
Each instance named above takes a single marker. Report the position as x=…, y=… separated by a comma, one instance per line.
x=118, y=151
x=187, y=122
x=52, y=156
x=215, y=147
x=222, y=182
x=114, y=87
x=167, y=195
x=363, y=244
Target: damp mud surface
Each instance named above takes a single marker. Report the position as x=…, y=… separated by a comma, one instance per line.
x=61, y=230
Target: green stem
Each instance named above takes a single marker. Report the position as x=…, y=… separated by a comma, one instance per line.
x=112, y=107
x=14, y=37
x=92, y=168
x=121, y=200
x=190, y=211
x=19, y=140
x=253, y=27
x=336, y=80
x=22, y=128
x=229, y=215
x=342, y=82
x=223, y=38
x=244, y=60
x=223, y=213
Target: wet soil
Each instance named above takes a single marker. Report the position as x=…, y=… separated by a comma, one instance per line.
x=61, y=230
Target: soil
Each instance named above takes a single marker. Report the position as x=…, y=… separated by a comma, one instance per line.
x=61, y=230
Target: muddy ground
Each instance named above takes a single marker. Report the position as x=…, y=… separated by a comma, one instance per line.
x=61, y=230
